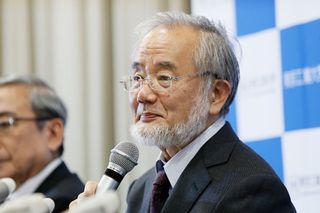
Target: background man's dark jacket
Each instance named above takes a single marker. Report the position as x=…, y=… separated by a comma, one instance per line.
x=62, y=187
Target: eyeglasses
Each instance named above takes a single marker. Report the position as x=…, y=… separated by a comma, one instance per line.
x=8, y=122
x=161, y=82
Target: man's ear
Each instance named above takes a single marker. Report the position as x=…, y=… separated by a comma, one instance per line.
x=55, y=133
x=220, y=93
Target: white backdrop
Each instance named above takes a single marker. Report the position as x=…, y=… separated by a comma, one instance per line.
x=277, y=108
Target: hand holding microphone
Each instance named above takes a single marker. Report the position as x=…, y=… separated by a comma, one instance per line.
x=123, y=158
x=108, y=202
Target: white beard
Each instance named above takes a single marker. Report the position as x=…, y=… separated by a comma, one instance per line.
x=181, y=134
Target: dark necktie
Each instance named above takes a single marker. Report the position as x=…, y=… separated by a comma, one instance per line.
x=160, y=190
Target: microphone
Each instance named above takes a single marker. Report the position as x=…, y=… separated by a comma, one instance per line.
x=7, y=186
x=105, y=203
x=34, y=203
x=124, y=156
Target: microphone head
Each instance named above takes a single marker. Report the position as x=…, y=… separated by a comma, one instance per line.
x=50, y=203
x=33, y=203
x=7, y=186
x=10, y=183
x=124, y=155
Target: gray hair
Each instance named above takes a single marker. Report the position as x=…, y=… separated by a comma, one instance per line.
x=214, y=52
x=44, y=101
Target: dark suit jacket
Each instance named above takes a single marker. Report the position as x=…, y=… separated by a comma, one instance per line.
x=224, y=176
x=62, y=187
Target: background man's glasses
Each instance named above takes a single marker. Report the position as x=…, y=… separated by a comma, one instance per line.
x=159, y=83
x=8, y=122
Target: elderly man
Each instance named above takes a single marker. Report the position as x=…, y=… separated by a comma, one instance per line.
x=185, y=76
x=32, y=120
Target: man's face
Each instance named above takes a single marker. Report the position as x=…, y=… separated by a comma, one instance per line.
x=167, y=118
x=23, y=147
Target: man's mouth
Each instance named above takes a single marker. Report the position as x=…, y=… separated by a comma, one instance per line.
x=144, y=114
x=148, y=117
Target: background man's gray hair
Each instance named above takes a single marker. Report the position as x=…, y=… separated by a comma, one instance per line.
x=214, y=52
x=44, y=101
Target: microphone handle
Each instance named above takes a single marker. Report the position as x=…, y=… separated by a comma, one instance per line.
x=105, y=184
x=109, y=181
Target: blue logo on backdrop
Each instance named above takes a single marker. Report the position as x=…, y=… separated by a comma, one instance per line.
x=253, y=16
x=271, y=151
x=300, y=49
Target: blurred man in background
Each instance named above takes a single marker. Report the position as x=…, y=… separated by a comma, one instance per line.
x=185, y=76
x=32, y=121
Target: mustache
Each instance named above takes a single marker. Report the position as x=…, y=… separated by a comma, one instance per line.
x=143, y=110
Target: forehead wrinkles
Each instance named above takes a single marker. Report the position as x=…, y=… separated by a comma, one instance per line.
x=154, y=45
x=163, y=45
x=156, y=42
x=151, y=57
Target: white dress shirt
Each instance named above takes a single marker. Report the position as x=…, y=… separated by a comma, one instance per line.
x=175, y=166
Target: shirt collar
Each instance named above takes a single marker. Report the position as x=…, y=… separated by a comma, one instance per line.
x=176, y=165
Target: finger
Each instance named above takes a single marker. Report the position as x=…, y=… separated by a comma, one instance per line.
x=73, y=204
x=90, y=188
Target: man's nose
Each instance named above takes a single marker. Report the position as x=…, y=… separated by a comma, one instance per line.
x=146, y=93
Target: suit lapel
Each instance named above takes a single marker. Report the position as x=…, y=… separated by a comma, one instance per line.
x=195, y=178
x=188, y=188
